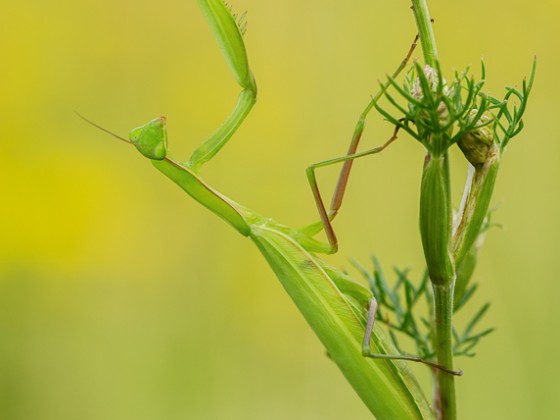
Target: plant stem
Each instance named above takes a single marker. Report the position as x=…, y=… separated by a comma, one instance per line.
x=427, y=38
x=443, y=301
x=443, y=291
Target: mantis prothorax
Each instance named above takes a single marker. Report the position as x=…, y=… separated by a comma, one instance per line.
x=334, y=305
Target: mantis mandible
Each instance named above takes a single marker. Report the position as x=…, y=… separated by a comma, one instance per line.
x=334, y=305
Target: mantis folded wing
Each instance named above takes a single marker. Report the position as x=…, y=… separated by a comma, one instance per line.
x=332, y=303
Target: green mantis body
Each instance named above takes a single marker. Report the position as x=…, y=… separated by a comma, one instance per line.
x=332, y=303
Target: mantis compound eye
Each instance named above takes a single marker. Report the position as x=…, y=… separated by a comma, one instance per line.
x=151, y=139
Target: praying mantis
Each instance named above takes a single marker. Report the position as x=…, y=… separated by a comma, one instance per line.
x=339, y=310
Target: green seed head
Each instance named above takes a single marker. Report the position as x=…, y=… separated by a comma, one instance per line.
x=151, y=139
x=478, y=144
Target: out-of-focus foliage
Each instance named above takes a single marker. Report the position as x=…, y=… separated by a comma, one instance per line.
x=118, y=294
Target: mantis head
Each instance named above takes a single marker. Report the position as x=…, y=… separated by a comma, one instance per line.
x=151, y=139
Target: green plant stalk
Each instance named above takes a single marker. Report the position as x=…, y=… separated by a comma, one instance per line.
x=443, y=301
x=472, y=213
x=464, y=274
x=427, y=38
x=435, y=228
x=476, y=208
x=443, y=290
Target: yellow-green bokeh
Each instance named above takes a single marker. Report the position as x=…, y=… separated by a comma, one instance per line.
x=121, y=298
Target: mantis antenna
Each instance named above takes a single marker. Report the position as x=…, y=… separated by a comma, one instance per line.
x=102, y=128
x=150, y=139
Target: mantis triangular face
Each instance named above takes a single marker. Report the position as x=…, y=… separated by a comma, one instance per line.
x=151, y=139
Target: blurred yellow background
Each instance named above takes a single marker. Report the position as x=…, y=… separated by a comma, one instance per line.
x=121, y=298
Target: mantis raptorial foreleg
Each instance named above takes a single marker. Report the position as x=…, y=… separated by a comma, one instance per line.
x=366, y=349
x=338, y=195
x=230, y=39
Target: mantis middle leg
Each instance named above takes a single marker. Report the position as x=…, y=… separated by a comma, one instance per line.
x=351, y=154
x=327, y=217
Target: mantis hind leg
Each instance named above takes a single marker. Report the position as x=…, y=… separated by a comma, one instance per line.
x=366, y=347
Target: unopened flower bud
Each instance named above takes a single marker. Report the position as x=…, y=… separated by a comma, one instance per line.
x=433, y=80
x=436, y=220
x=478, y=143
